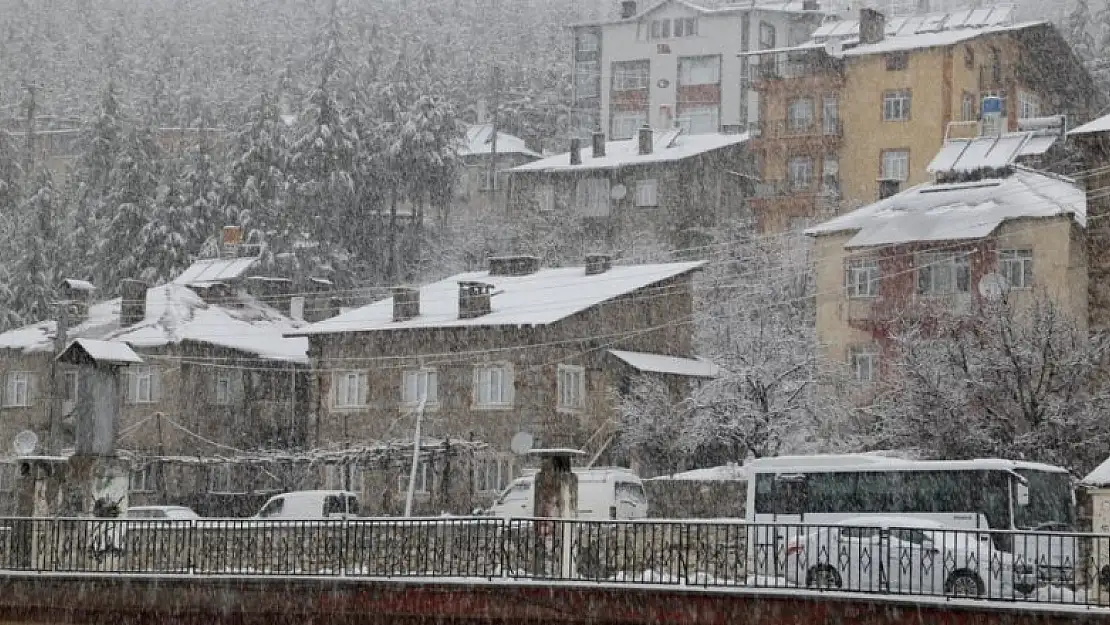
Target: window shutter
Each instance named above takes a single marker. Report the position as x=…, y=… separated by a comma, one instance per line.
x=9, y=390
x=132, y=382
x=155, y=384
x=363, y=389
x=236, y=389
x=32, y=389
x=433, y=387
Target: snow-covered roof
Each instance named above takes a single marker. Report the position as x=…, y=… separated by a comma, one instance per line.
x=543, y=297
x=671, y=365
x=211, y=270
x=1102, y=124
x=723, y=473
x=111, y=352
x=79, y=285
x=174, y=313
x=479, y=140
x=993, y=151
x=669, y=145
x=1100, y=476
x=959, y=211
x=782, y=6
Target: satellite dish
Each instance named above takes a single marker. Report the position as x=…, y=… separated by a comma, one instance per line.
x=521, y=443
x=993, y=285
x=25, y=443
x=618, y=192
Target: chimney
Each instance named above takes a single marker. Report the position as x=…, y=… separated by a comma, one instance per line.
x=575, y=151
x=513, y=265
x=132, y=308
x=79, y=294
x=599, y=144
x=598, y=263
x=232, y=238
x=811, y=5
x=474, y=299
x=872, y=26
x=647, y=141
x=628, y=9
x=406, y=303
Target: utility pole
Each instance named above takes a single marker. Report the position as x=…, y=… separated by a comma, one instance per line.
x=161, y=454
x=495, y=87
x=423, y=390
x=57, y=394
x=30, y=107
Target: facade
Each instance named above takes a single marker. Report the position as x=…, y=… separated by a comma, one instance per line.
x=1094, y=140
x=217, y=375
x=674, y=63
x=474, y=192
x=942, y=247
x=664, y=185
x=484, y=355
x=859, y=110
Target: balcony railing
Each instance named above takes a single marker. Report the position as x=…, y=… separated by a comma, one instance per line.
x=779, y=129
x=1014, y=566
x=786, y=188
x=788, y=65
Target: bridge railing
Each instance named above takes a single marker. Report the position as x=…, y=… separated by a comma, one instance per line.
x=1054, y=567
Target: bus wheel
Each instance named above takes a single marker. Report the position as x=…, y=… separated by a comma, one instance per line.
x=823, y=576
x=964, y=584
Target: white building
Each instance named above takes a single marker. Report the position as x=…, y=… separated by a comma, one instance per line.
x=676, y=63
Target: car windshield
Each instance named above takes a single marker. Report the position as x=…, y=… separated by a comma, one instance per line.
x=1050, y=502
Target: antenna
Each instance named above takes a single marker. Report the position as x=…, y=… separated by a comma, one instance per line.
x=993, y=285
x=522, y=443
x=25, y=443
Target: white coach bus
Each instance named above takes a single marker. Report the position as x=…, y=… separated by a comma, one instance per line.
x=988, y=494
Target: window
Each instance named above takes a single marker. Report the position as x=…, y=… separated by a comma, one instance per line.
x=588, y=42
x=492, y=474
x=1029, y=105
x=941, y=273
x=142, y=385
x=661, y=29
x=493, y=386
x=586, y=79
x=801, y=173
x=830, y=115
x=864, y=362
x=862, y=277
x=272, y=508
x=699, y=120
x=1000, y=94
x=420, y=384
x=896, y=106
x=350, y=389
x=7, y=477
x=967, y=107
x=223, y=389
x=969, y=57
x=593, y=197
x=646, y=192
x=699, y=70
x=70, y=383
x=685, y=27
x=623, y=125
x=18, y=392
x=545, y=197
x=799, y=114
x=1017, y=267
x=144, y=480
x=830, y=176
x=631, y=75
x=766, y=36
x=896, y=165
x=897, y=61
x=423, y=483
x=572, y=387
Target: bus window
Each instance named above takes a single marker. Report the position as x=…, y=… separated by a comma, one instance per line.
x=764, y=494
x=790, y=495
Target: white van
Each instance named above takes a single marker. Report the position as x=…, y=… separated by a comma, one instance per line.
x=603, y=494
x=310, y=505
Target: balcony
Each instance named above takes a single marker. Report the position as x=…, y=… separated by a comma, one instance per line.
x=823, y=136
x=778, y=203
x=811, y=68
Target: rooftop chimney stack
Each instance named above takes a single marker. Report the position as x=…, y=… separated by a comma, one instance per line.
x=599, y=144
x=513, y=265
x=647, y=141
x=598, y=263
x=872, y=26
x=132, y=308
x=232, y=239
x=628, y=9
x=406, y=303
x=575, y=151
x=811, y=5
x=474, y=299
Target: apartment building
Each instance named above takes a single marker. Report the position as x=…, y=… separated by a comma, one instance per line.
x=674, y=63
x=859, y=110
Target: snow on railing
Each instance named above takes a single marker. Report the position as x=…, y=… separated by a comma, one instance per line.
x=1015, y=566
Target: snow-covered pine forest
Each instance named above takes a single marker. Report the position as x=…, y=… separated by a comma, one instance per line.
x=343, y=117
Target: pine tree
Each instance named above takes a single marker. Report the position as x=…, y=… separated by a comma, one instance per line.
x=1078, y=31
x=37, y=271
x=256, y=183
x=1101, y=65
x=132, y=188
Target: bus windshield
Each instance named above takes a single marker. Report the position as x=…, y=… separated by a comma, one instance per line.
x=1050, y=502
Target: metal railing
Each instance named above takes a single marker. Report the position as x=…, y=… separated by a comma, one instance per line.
x=1043, y=567
x=786, y=129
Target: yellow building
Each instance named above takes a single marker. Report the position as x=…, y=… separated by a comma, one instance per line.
x=941, y=247
x=857, y=112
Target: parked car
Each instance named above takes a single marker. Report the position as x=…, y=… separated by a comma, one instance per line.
x=603, y=494
x=173, y=513
x=904, y=555
x=310, y=505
